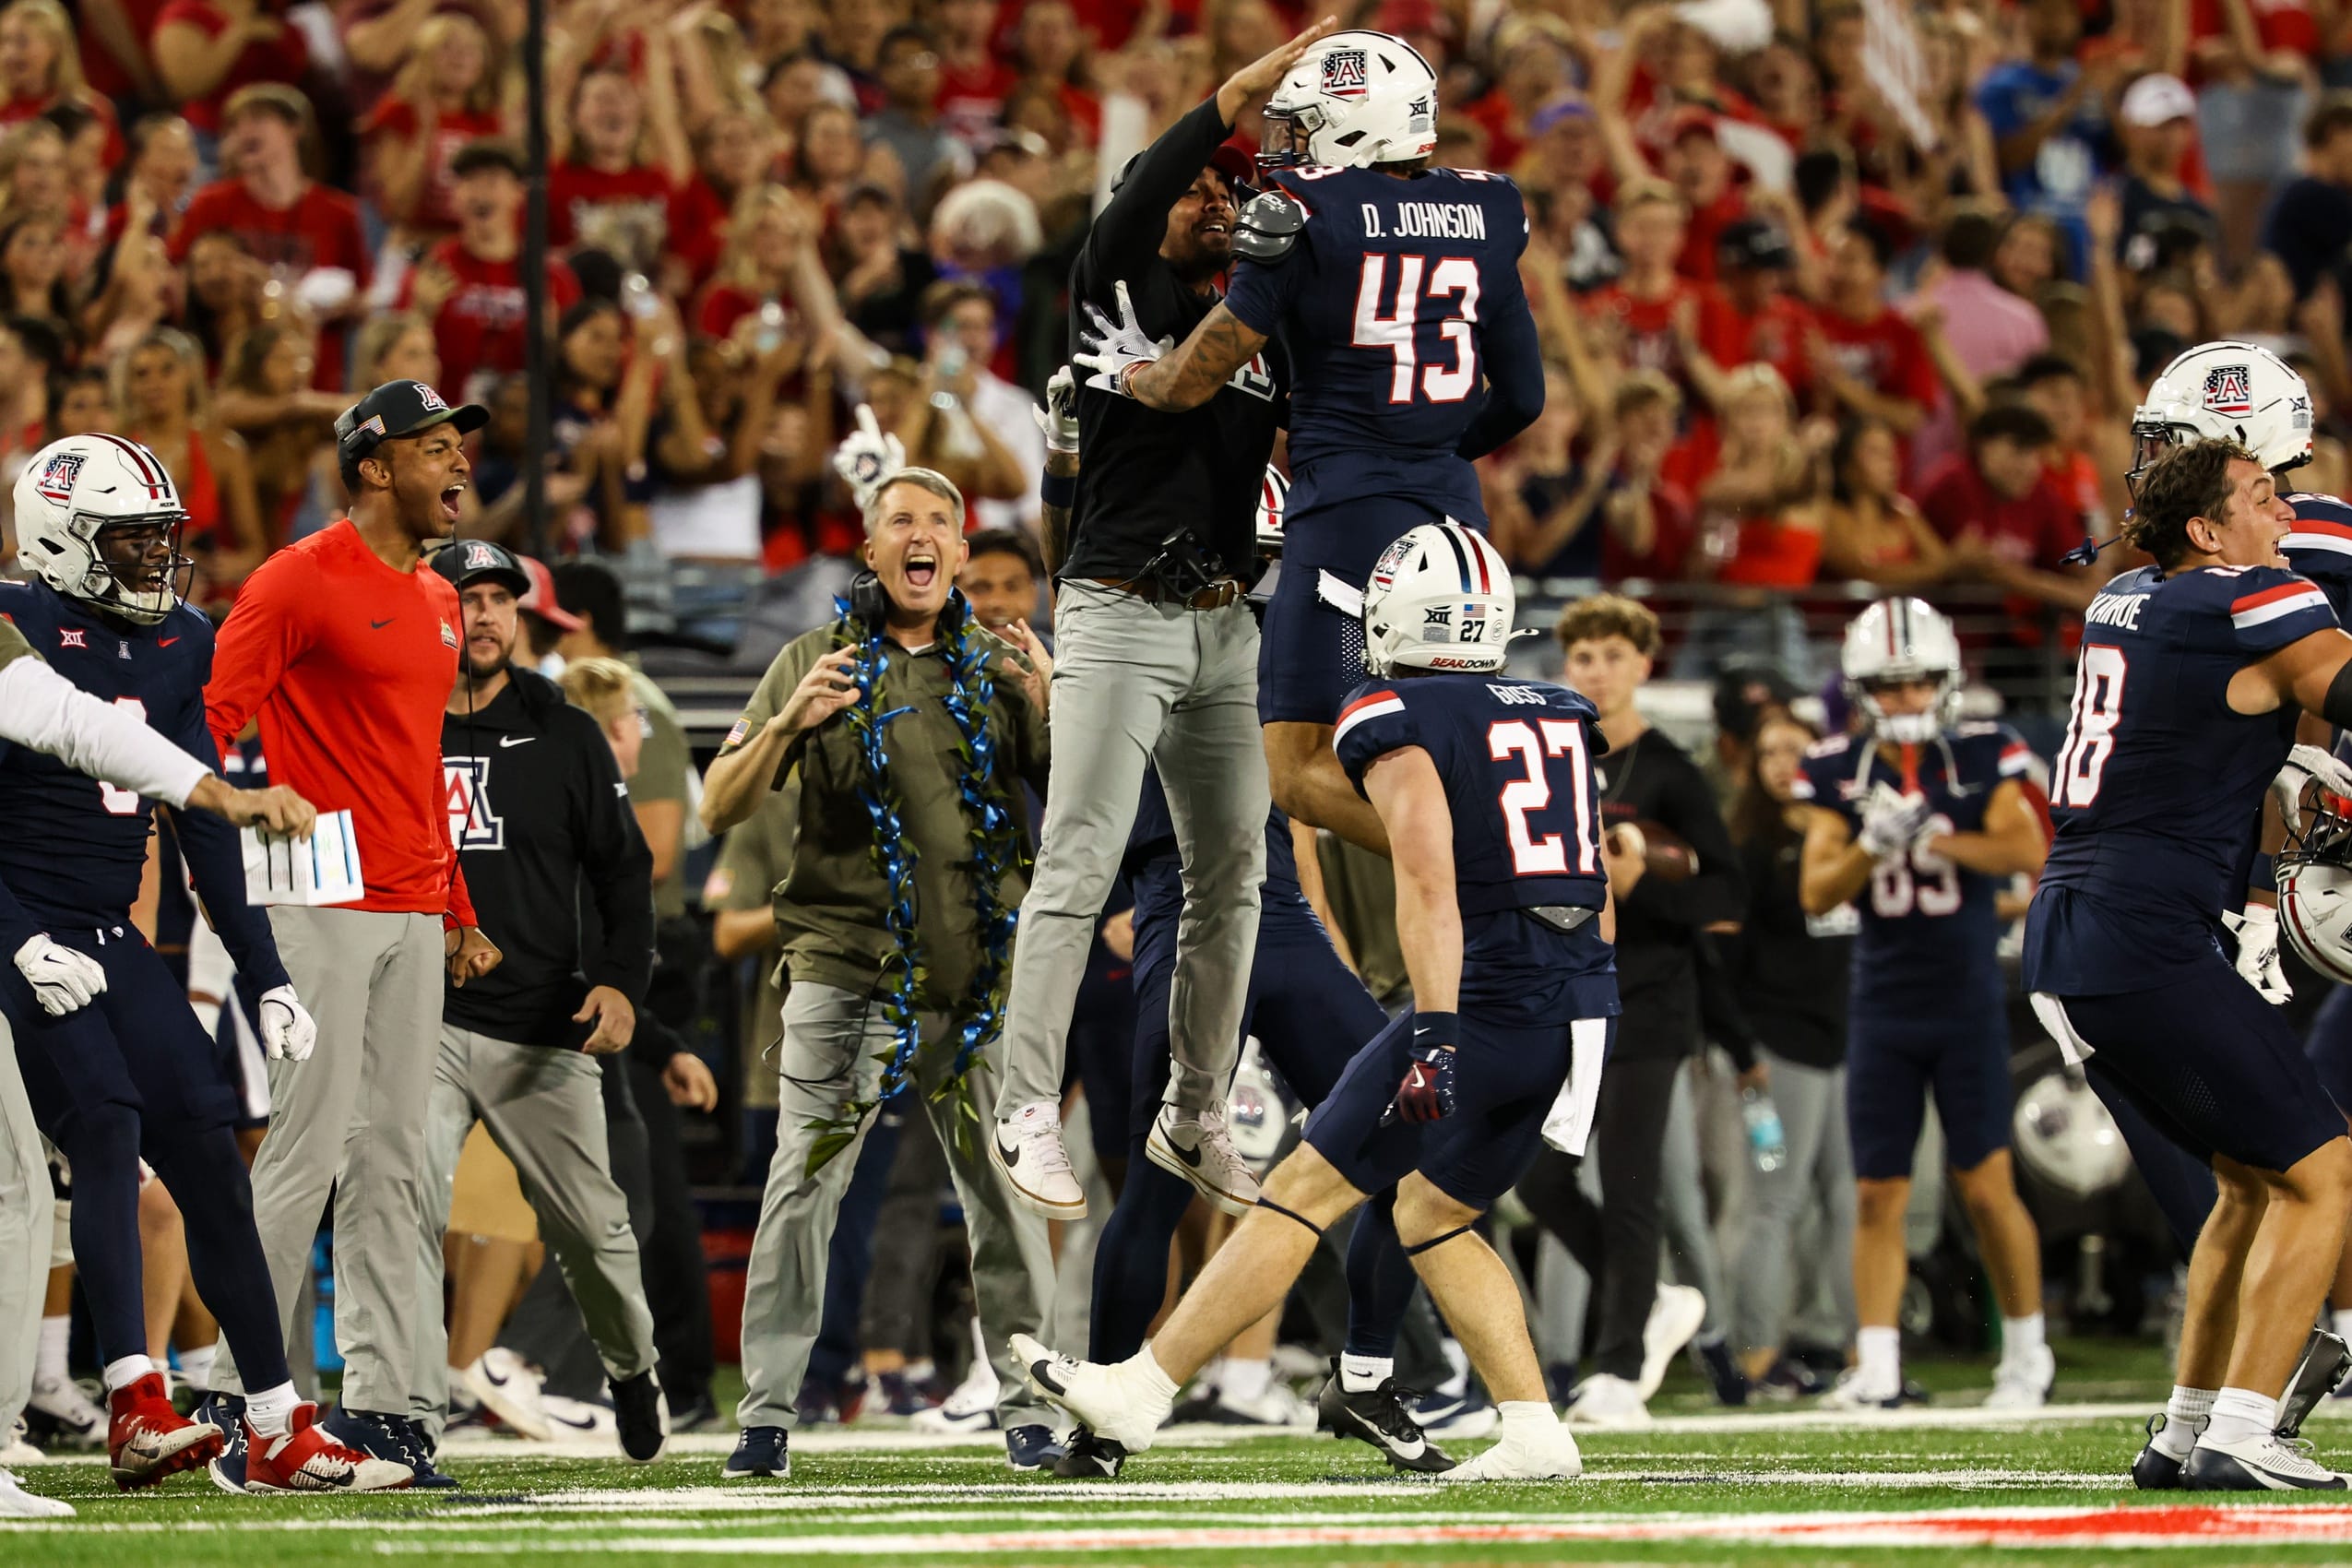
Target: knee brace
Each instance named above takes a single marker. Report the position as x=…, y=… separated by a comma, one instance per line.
x=1417, y=1248
x=1291, y=1214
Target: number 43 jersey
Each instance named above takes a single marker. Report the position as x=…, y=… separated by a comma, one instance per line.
x=2157, y=792
x=1929, y=932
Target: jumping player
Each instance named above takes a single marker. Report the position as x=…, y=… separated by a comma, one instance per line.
x=1928, y=817
x=115, y=1064
x=2184, y=709
x=1394, y=290
x=1486, y=787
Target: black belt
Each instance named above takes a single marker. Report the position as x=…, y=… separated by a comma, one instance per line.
x=1561, y=918
x=1216, y=596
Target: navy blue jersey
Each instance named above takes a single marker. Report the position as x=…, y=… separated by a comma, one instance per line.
x=76, y=848
x=2157, y=791
x=2320, y=547
x=1927, y=927
x=1411, y=346
x=1517, y=758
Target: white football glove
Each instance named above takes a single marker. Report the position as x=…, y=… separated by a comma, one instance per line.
x=62, y=978
x=866, y=455
x=1059, y=417
x=288, y=1032
x=1117, y=346
x=2307, y=765
x=1891, y=821
x=2256, y=930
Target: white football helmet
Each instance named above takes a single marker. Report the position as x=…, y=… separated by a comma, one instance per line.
x=1274, y=495
x=1903, y=639
x=2226, y=391
x=1354, y=100
x=2068, y=1138
x=2315, y=884
x=73, y=491
x=1438, y=598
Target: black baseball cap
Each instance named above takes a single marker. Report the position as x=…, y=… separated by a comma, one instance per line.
x=1754, y=242
x=396, y=411
x=466, y=561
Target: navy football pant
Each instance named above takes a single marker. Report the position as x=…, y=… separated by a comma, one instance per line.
x=1310, y=1015
x=2329, y=1045
x=1311, y=652
x=2180, y=1180
x=1892, y=1068
x=133, y=1075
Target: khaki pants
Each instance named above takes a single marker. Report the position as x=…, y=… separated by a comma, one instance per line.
x=26, y=1210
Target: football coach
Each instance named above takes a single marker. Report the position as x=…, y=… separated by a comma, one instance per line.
x=346, y=644
x=1156, y=659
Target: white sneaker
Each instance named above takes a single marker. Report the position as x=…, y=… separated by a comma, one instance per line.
x=576, y=1419
x=1674, y=1318
x=1852, y=1392
x=1028, y=1149
x=505, y=1385
x=17, y=1450
x=1277, y=1407
x=1605, y=1401
x=15, y=1502
x=1549, y=1455
x=2022, y=1382
x=2268, y=1463
x=1201, y=1151
x=972, y=1407
x=1109, y=1401
x=80, y=1424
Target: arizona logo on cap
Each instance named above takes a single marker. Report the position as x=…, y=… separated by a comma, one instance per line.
x=1346, y=73
x=2229, y=389
x=429, y=398
x=57, y=477
x=479, y=557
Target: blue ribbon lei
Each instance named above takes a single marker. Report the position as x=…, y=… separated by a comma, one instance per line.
x=997, y=851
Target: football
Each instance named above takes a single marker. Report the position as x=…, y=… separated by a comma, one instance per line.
x=1665, y=853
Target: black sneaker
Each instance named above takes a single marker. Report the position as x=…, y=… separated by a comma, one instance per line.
x=1031, y=1448
x=1378, y=1417
x=761, y=1454
x=397, y=1438
x=1092, y=1458
x=226, y=1411
x=640, y=1418
x=694, y=1415
x=2153, y=1469
x=1722, y=1374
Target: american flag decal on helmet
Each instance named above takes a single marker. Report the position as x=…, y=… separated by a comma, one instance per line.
x=1345, y=73
x=57, y=477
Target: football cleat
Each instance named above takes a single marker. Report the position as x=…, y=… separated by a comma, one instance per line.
x=1032, y=1448
x=1603, y=1400
x=146, y=1440
x=1722, y=1374
x=375, y=1435
x=1378, y=1416
x=761, y=1454
x=1112, y=1400
x=1090, y=1458
x=65, y=1416
x=226, y=1411
x=2153, y=1469
x=1674, y=1320
x=1028, y=1149
x=641, y=1417
x=305, y=1459
x=2023, y=1383
x=1851, y=1392
x=2268, y=1463
x=504, y=1385
x=1549, y=1455
x=1201, y=1150
x=15, y=1502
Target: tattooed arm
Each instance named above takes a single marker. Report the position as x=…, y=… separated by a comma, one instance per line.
x=1054, y=534
x=1202, y=362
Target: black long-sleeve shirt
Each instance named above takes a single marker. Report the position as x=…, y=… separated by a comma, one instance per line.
x=1651, y=778
x=543, y=820
x=1146, y=473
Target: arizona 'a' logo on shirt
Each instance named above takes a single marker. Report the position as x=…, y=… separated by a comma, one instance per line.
x=2229, y=389
x=472, y=825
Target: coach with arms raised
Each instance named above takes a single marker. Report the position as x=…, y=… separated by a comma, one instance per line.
x=347, y=647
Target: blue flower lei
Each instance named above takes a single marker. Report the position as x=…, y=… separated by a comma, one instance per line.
x=994, y=837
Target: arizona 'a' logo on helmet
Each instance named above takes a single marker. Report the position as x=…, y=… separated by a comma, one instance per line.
x=1344, y=75
x=2229, y=389
x=57, y=477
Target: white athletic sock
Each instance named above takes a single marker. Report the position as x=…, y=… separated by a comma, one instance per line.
x=48, y=1364
x=2021, y=1336
x=1526, y=1418
x=2240, y=1414
x=270, y=1411
x=2340, y=1323
x=1881, y=1357
x=1361, y=1374
x=196, y=1366
x=1243, y=1382
x=120, y=1374
x=1147, y=1367
x=2184, y=1414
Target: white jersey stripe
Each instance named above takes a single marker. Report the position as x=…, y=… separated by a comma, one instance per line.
x=2262, y=614
x=1376, y=708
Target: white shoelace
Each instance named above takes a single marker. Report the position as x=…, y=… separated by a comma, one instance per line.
x=1045, y=1143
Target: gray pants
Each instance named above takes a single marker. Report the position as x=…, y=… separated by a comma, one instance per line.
x=1136, y=683
x=828, y=1058
x=545, y=1109
x=351, y=1120
x=1818, y=1177
x=26, y=1212
x=1683, y=1204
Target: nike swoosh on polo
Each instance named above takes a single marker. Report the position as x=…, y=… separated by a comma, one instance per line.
x=505, y=741
x=379, y=626
x=167, y=642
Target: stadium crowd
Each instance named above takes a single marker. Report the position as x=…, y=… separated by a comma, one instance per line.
x=1827, y=293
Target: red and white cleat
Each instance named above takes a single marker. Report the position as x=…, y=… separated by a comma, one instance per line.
x=306, y=1459
x=146, y=1440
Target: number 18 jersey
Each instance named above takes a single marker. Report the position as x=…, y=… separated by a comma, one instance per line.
x=2157, y=792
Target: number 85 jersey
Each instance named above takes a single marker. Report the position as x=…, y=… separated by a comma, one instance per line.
x=2158, y=790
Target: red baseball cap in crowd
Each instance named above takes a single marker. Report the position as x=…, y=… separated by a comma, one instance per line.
x=540, y=600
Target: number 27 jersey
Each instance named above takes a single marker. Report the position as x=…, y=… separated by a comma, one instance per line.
x=2155, y=792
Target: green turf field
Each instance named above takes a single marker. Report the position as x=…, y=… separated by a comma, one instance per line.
x=1782, y=1486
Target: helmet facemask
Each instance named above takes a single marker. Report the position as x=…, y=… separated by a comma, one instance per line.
x=1911, y=728
x=136, y=568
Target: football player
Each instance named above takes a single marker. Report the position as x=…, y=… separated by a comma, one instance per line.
x=1394, y=288
x=1486, y=787
x=1919, y=823
x=2184, y=709
x=115, y=1066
